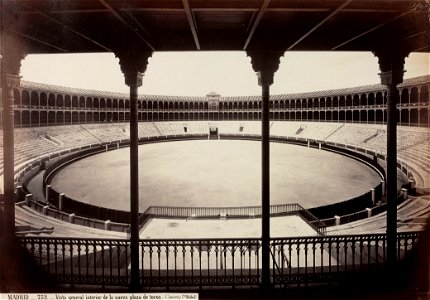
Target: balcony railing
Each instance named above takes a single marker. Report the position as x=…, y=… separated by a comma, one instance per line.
x=233, y=212
x=215, y=262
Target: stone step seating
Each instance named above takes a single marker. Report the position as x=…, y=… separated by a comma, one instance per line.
x=74, y=137
x=408, y=212
x=170, y=128
x=32, y=149
x=250, y=127
x=420, y=175
x=309, y=130
x=421, y=151
x=352, y=135
x=405, y=139
x=318, y=131
x=197, y=127
x=413, y=138
x=285, y=128
x=414, y=158
x=107, y=132
x=25, y=216
x=229, y=127
x=147, y=129
x=414, y=141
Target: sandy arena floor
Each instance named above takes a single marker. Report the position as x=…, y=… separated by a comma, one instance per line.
x=215, y=173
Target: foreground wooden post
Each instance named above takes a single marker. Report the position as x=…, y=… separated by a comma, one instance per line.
x=265, y=64
x=133, y=65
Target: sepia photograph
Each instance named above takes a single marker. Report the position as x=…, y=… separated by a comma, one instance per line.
x=219, y=149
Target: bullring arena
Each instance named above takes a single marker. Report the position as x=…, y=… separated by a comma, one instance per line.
x=199, y=176
x=207, y=154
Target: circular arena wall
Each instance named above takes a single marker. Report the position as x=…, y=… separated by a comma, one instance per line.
x=216, y=173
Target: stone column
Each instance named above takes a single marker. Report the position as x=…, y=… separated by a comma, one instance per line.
x=11, y=55
x=265, y=64
x=391, y=64
x=10, y=80
x=133, y=65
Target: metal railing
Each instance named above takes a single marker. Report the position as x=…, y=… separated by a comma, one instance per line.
x=208, y=212
x=215, y=262
x=232, y=212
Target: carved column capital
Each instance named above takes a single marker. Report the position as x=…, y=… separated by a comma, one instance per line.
x=391, y=64
x=133, y=65
x=11, y=67
x=12, y=81
x=265, y=64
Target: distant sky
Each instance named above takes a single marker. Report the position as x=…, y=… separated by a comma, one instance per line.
x=227, y=73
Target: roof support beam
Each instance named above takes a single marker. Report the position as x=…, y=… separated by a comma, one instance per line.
x=420, y=49
x=331, y=15
x=67, y=27
x=38, y=40
x=191, y=22
x=127, y=24
x=256, y=23
x=371, y=29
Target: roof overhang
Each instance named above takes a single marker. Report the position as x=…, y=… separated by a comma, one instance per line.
x=45, y=26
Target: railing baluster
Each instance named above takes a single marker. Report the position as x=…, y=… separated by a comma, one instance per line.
x=377, y=253
x=110, y=261
x=306, y=261
x=353, y=255
x=329, y=255
x=40, y=252
x=192, y=262
x=289, y=258
x=200, y=263
x=225, y=261
x=32, y=248
x=232, y=263
x=242, y=255
x=298, y=263
x=103, y=263
x=184, y=250
x=95, y=261
x=167, y=264
x=384, y=250
x=79, y=259
x=63, y=248
x=127, y=272
x=150, y=263
x=399, y=245
x=413, y=241
x=209, y=247
x=159, y=261
x=71, y=261
x=337, y=256
x=175, y=253
x=368, y=253
x=273, y=259
x=346, y=254
x=142, y=263
x=217, y=263
x=118, y=261
x=314, y=247
x=56, y=258
x=48, y=256
x=322, y=256
x=282, y=259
